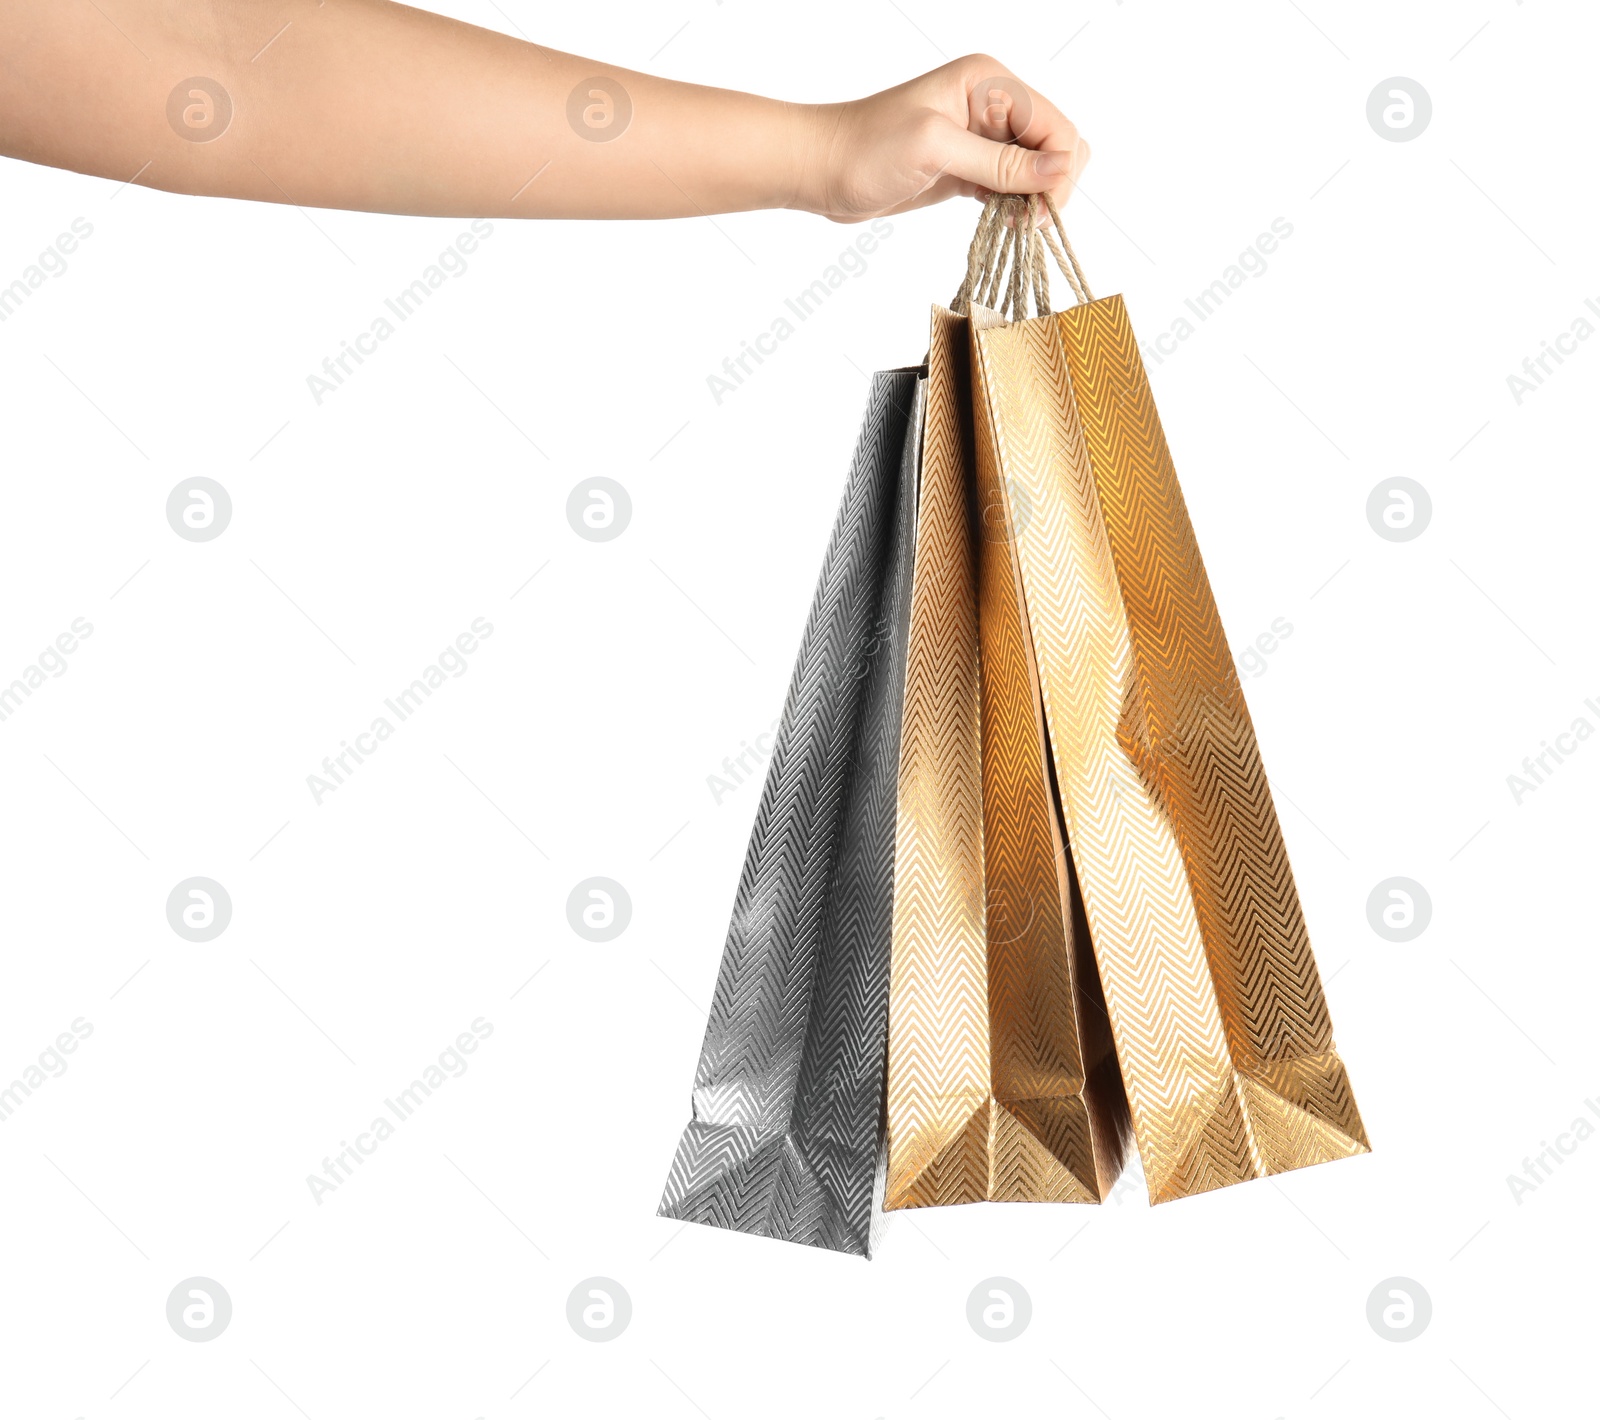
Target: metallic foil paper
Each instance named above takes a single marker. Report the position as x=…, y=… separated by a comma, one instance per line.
x=788, y=1097
x=1221, y=1027
x=986, y=1092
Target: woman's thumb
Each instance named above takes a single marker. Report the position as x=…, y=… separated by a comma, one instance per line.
x=1009, y=167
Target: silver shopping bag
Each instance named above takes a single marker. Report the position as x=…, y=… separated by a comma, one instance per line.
x=787, y=1131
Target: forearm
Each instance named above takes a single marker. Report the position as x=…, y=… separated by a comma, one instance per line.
x=374, y=106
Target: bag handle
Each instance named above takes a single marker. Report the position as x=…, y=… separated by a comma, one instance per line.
x=1007, y=257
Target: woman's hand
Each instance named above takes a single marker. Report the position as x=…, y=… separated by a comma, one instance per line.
x=383, y=108
x=967, y=129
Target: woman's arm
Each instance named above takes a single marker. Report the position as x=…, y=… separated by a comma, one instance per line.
x=378, y=107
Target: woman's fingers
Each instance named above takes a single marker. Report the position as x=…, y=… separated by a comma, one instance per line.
x=992, y=166
x=1016, y=140
x=968, y=128
x=1005, y=109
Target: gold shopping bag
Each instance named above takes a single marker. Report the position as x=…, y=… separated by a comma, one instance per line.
x=1001, y=1078
x=1221, y=1028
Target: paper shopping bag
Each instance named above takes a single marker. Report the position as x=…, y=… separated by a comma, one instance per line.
x=1221, y=1028
x=993, y=1025
x=785, y=1138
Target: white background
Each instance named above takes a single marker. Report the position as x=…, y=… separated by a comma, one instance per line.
x=367, y=932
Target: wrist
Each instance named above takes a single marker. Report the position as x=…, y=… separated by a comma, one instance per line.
x=813, y=147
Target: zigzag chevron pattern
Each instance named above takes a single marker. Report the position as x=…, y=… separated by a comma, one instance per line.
x=986, y=1094
x=1200, y=749
x=788, y=1094
x=1054, y=1066
x=1221, y=1028
x=938, y=987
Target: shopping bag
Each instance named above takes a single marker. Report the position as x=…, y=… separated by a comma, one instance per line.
x=1221, y=1028
x=785, y=1139
x=987, y=1090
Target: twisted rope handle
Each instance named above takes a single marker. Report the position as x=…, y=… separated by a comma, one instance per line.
x=1006, y=261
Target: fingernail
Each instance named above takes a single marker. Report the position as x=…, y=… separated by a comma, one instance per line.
x=1053, y=164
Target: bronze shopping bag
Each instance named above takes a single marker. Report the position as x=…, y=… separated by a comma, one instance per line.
x=1221, y=1029
x=1001, y=1078
x=786, y=1135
